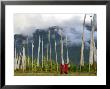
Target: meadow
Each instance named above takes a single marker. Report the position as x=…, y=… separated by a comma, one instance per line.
x=54, y=69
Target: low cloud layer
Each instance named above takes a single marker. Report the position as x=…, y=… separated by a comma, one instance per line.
x=72, y=25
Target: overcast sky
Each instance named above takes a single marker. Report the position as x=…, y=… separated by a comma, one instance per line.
x=72, y=24
x=26, y=23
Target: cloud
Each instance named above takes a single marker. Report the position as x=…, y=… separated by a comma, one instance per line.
x=75, y=36
x=26, y=23
x=72, y=25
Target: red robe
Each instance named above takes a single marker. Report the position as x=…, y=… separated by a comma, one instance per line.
x=64, y=68
x=61, y=69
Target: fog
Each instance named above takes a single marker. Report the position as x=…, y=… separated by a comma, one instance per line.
x=72, y=25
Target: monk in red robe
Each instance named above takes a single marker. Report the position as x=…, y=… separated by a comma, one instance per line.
x=64, y=68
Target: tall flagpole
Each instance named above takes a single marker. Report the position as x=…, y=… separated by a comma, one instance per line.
x=32, y=55
x=62, y=48
x=42, y=51
x=38, y=52
x=47, y=51
x=24, y=59
x=91, y=49
x=95, y=50
x=50, y=52
x=48, y=45
x=91, y=45
x=82, y=48
x=67, y=51
x=27, y=52
x=56, y=54
x=95, y=53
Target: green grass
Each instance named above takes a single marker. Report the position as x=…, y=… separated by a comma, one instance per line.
x=55, y=74
x=74, y=70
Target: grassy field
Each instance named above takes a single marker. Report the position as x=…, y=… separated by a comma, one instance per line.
x=73, y=70
x=56, y=74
